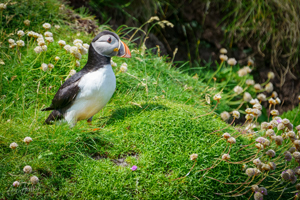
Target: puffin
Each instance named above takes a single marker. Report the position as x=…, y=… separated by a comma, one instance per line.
x=85, y=93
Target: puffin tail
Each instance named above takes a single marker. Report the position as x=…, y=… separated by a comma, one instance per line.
x=54, y=116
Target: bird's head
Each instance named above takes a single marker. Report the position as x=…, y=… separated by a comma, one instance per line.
x=108, y=44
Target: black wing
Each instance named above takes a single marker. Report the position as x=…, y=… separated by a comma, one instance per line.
x=66, y=93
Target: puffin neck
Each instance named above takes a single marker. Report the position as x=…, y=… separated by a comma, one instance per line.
x=95, y=60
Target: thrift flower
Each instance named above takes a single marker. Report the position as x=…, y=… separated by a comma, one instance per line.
x=123, y=67
x=217, y=97
x=261, y=97
x=231, y=61
x=20, y=33
x=77, y=55
x=73, y=50
x=27, y=140
x=271, y=75
x=236, y=114
x=48, y=34
x=250, y=62
x=49, y=39
x=274, y=112
x=269, y=87
x=257, y=86
x=77, y=41
x=38, y=49
x=13, y=145
x=223, y=57
x=27, y=169
x=16, y=184
x=46, y=26
x=27, y=22
x=72, y=72
x=85, y=45
x=44, y=47
x=50, y=66
x=44, y=67
x=250, y=82
x=57, y=26
x=274, y=94
x=231, y=140
x=11, y=46
x=34, y=180
x=11, y=41
x=62, y=43
x=225, y=156
x=133, y=168
x=56, y=58
x=194, y=156
x=238, y=89
x=20, y=43
x=77, y=64
x=247, y=97
x=223, y=51
x=2, y=6
x=225, y=116
x=226, y=135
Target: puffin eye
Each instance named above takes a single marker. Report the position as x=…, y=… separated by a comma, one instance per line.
x=109, y=40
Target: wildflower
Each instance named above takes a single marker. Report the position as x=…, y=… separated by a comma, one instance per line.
x=57, y=26
x=152, y=19
x=238, y=89
x=77, y=55
x=217, y=97
x=270, y=133
x=61, y=7
x=292, y=149
x=257, y=86
x=274, y=112
x=231, y=61
x=280, y=126
x=274, y=94
x=277, y=100
x=274, y=123
x=285, y=121
x=27, y=169
x=261, y=97
x=77, y=64
x=271, y=75
x=278, y=140
x=85, y=45
x=113, y=64
x=287, y=156
x=226, y=135
x=223, y=57
x=256, y=112
x=20, y=43
x=72, y=72
x=290, y=126
x=257, y=106
x=35, y=35
x=27, y=22
x=16, y=184
x=62, y=43
x=50, y=66
x=257, y=162
x=78, y=45
x=249, y=82
x=242, y=72
x=250, y=62
x=266, y=167
x=13, y=145
x=27, y=140
x=263, y=191
x=133, y=168
x=259, y=146
x=194, y=156
x=250, y=172
x=44, y=67
x=83, y=51
x=291, y=134
x=285, y=176
x=254, y=188
x=271, y=153
x=298, y=128
x=48, y=34
x=38, y=49
x=225, y=116
x=73, y=49
x=272, y=101
x=46, y=26
x=2, y=6
x=269, y=87
x=49, y=39
x=41, y=42
x=30, y=33
x=231, y=140
x=20, y=33
x=11, y=41
x=223, y=51
x=77, y=41
x=123, y=67
x=225, y=156
x=249, y=117
x=34, y=180
x=247, y=97
x=56, y=58
x=248, y=110
x=236, y=114
x=44, y=47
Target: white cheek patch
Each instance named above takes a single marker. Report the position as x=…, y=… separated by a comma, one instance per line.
x=105, y=49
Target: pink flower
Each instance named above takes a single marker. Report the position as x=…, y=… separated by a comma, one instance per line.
x=133, y=168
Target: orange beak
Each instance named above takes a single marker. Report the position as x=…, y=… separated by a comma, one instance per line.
x=124, y=51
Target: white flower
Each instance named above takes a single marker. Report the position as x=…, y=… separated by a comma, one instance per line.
x=238, y=89
x=242, y=72
x=34, y=180
x=77, y=55
x=277, y=100
x=27, y=22
x=44, y=47
x=44, y=67
x=72, y=72
x=30, y=33
x=13, y=145
x=11, y=41
x=20, y=43
x=269, y=87
x=16, y=184
x=231, y=61
x=38, y=49
x=62, y=43
x=225, y=116
x=77, y=41
x=231, y=140
x=247, y=97
x=257, y=86
x=236, y=114
x=27, y=140
x=225, y=156
x=257, y=106
x=56, y=58
x=223, y=57
x=77, y=64
x=226, y=135
x=275, y=95
x=223, y=51
x=61, y=7
x=49, y=39
x=78, y=45
x=271, y=75
x=50, y=66
x=254, y=101
x=46, y=26
x=11, y=46
x=113, y=64
x=250, y=62
x=2, y=6
x=194, y=156
x=83, y=51
x=57, y=26
x=217, y=97
x=261, y=97
x=48, y=34
x=35, y=35
x=41, y=42
x=74, y=49
x=85, y=45
x=250, y=82
x=27, y=169
x=67, y=48
x=123, y=67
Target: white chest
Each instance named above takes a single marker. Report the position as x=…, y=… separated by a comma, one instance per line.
x=96, y=89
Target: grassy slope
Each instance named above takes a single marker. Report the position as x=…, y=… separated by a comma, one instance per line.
x=148, y=122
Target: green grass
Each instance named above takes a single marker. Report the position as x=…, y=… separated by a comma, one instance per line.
x=149, y=122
